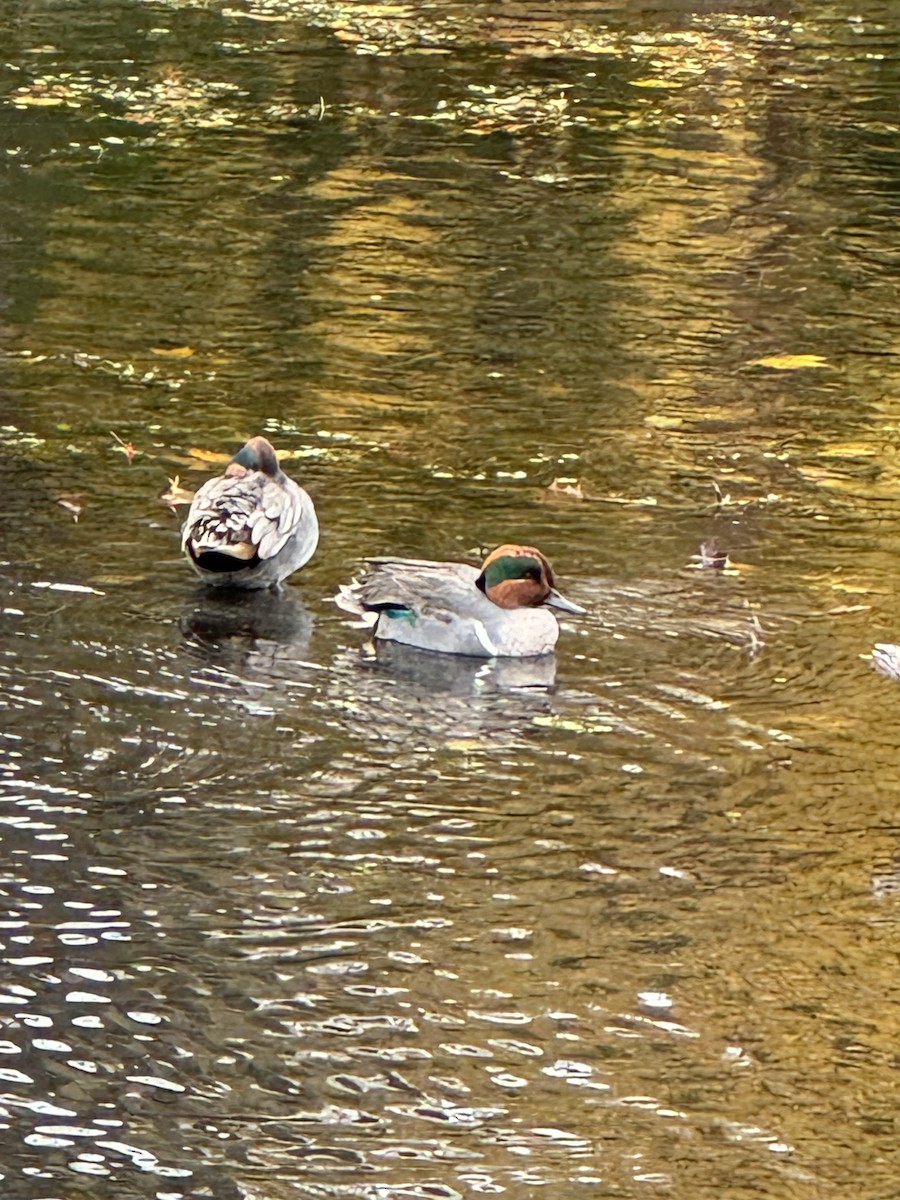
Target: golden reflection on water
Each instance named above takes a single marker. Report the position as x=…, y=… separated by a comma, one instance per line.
x=282, y=918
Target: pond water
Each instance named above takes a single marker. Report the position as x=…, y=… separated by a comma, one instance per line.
x=280, y=919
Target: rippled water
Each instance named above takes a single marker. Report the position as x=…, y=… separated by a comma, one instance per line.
x=283, y=920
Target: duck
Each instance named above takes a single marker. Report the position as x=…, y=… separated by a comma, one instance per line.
x=501, y=609
x=252, y=526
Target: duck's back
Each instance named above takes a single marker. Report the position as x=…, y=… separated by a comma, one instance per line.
x=269, y=524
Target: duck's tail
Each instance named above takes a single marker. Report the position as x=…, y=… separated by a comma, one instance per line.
x=348, y=599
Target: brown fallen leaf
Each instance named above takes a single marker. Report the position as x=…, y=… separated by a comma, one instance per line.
x=565, y=489
x=71, y=502
x=127, y=448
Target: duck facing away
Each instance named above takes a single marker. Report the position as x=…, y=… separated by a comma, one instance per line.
x=252, y=526
x=500, y=610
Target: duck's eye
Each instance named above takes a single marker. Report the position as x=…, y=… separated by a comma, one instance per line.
x=533, y=573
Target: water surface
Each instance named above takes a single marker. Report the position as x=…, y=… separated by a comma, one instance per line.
x=280, y=919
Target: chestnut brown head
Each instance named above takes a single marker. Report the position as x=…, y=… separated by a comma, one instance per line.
x=521, y=577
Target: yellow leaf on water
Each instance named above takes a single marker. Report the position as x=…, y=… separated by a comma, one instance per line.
x=790, y=362
x=208, y=456
x=172, y=351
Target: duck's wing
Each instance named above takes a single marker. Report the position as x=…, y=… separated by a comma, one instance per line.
x=247, y=516
x=278, y=515
x=432, y=605
x=410, y=584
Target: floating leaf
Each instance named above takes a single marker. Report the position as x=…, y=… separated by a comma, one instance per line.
x=790, y=362
x=71, y=502
x=127, y=448
x=208, y=456
x=176, y=494
x=173, y=351
x=565, y=489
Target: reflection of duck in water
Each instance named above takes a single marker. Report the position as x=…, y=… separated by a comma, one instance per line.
x=237, y=616
x=461, y=676
x=234, y=628
x=252, y=526
x=405, y=703
x=457, y=609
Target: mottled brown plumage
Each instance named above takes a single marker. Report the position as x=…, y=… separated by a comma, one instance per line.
x=252, y=526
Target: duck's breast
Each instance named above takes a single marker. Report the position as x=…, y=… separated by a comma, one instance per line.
x=522, y=632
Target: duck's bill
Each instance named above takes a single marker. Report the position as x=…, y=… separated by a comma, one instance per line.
x=557, y=600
